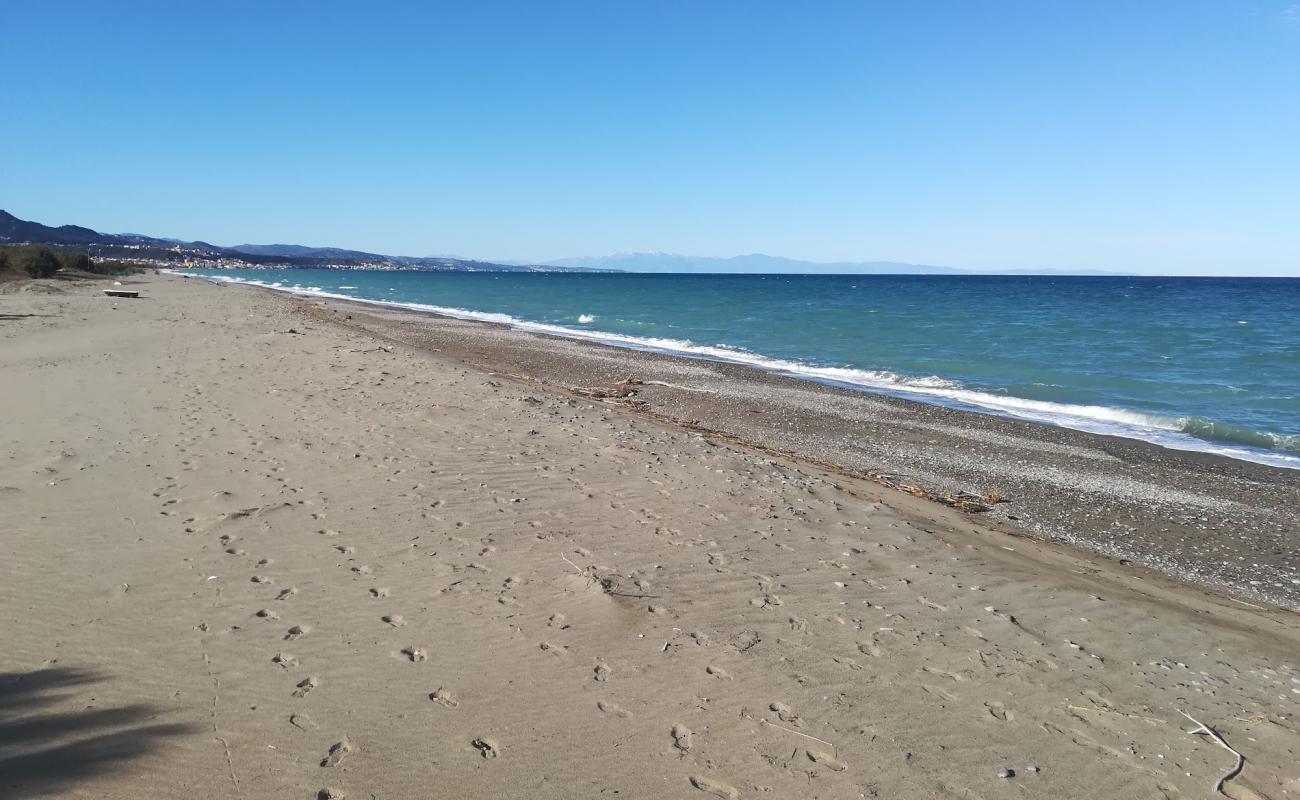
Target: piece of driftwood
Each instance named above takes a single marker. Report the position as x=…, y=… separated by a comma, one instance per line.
x=1202, y=729
x=624, y=388
x=121, y=293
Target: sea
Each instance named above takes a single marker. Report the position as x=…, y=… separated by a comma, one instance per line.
x=1202, y=364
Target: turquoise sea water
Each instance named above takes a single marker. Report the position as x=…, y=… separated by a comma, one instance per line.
x=1192, y=363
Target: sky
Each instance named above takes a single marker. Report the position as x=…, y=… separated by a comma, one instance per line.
x=1159, y=137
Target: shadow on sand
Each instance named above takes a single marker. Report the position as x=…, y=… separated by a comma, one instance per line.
x=45, y=752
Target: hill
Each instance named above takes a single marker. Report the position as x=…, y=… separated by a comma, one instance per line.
x=155, y=251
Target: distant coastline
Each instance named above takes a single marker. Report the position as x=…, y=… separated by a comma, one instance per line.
x=152, y=251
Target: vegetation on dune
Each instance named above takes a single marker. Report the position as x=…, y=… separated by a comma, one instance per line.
x=36, y=261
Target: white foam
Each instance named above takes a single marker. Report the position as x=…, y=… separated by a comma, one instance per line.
x=1165, y=431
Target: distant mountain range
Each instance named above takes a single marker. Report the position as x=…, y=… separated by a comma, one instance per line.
x=138, y=247
x=757, y=263
x=156, y=249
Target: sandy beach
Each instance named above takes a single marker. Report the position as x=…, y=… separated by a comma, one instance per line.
x=264, y=547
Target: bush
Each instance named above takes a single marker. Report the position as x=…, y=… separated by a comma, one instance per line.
x=37, y=262
x=102, y=267
x=77, y=261
x=4, y=260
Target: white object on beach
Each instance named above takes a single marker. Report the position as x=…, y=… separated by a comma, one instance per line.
x=1205, y=730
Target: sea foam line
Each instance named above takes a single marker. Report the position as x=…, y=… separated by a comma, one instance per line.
x=1166, y=431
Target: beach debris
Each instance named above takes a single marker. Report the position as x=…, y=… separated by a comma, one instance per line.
x=831, y=745
x=623, y=389
x=330, y=793
x=609, y=584
x=962, y=501
x=1202, y=729
x=488, y=748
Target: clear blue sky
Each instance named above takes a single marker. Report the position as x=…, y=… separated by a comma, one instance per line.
x=1147, y=136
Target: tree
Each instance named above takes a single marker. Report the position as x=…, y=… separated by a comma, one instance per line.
x=38, y=262
x=76, y=261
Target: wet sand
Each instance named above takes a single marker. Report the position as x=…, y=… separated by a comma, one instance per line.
x=253, y=548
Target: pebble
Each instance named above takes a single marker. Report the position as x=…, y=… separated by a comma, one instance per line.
x=1006, y=772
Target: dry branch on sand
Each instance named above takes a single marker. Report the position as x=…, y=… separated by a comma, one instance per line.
x=1202, y=729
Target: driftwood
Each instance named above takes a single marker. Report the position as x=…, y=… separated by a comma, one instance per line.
x=1202, y=729
x=624, y=388
x=962, y=501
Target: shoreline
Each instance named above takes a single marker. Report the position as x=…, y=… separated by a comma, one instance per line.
x=1206, y=519
x=256, y=548
x=1105, y=421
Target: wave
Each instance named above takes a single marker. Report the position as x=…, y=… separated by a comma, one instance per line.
x=1176, y=432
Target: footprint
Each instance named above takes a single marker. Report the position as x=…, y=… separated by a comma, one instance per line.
x=827, y=760
x=345, y=549
x=267, y=614
x=363, y=569
x=786, y=714
x=261, y=579
x=235, y=551
x=303, y=722
x=444, y=697
x=999, y=711
x=488, y=748
x=337, y=753
x=330, y=793
x=610, y=708
x=557, y=649
x=415, y=653
x=396, y=620
x=296, y=632
x=304, y=686
x=285, y=594
x=602, y=671
x=718, y=672
x=379, y=592
x=285, y=660
x=714, y=788
x=682, y=738
x=558, y=620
